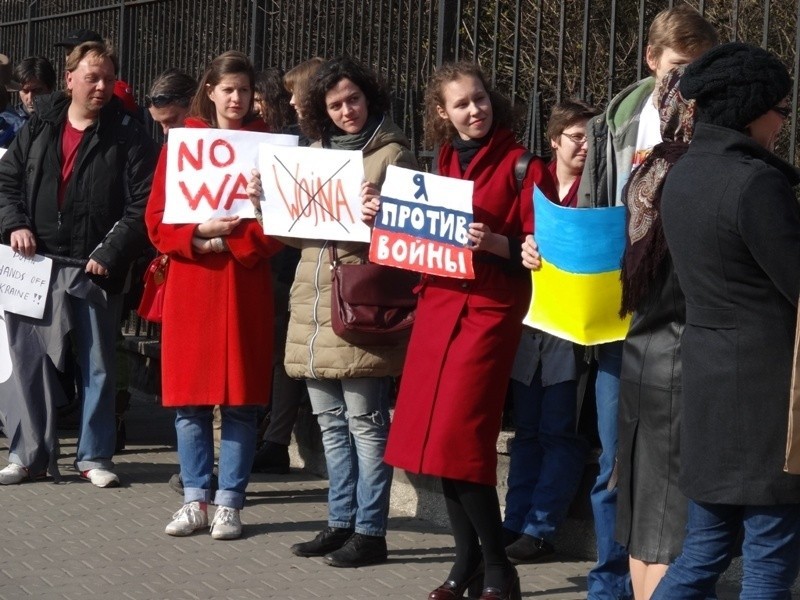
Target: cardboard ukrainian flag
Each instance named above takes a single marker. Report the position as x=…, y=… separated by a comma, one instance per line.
x=577, y=293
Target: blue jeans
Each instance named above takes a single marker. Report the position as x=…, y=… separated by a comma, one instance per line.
x=610, y=577
x=547, y=457
x=770, y=552
x=353, y=415
x=193, y=425
x=96, y=329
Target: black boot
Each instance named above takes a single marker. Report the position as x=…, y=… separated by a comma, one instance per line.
x=359, y=551
x=529, y=549
x=327, y=540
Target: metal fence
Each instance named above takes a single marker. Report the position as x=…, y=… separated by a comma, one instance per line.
x=536, y=51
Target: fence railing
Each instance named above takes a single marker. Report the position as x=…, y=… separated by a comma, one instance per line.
x=536, y=51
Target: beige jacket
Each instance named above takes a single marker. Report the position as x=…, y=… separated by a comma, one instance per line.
x=313, y=350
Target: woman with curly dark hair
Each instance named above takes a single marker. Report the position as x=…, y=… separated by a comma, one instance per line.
x=344, y=107
x=466, y=333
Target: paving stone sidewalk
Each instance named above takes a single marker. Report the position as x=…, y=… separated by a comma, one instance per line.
x=73, y=541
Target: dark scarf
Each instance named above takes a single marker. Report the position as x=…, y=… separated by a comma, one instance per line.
x=339, y=140
x=646, y=246
x=467, y=149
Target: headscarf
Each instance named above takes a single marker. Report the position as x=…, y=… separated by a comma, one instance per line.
x=646, y=246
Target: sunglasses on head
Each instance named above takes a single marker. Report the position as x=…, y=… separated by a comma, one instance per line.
x=162, y=100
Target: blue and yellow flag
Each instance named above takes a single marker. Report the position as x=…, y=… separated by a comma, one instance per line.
x=577, y=293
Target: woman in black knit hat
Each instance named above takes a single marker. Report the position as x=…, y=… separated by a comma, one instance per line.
x=732, y=225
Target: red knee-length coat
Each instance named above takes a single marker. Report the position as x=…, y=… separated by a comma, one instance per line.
x=465, y=335
x=216, y=334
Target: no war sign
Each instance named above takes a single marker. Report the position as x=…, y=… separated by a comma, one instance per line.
x=208, y=171
x=422, y=224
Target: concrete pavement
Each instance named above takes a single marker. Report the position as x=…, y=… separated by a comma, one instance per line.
x=73, y=541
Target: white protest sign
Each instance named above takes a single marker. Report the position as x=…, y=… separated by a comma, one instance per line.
x=422, y=224
x=312, y=193
x=6, y=368
x=208, y=171
x=24, y=282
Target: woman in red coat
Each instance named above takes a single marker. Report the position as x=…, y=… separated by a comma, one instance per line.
x=466, y=333
x=216, y=337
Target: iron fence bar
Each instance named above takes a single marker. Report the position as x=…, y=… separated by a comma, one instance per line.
x=446, y=46
x=795, y=91
x=562, y=27
x=612, y=51
x=735, y=20
x=641, y=44
x=121, y=53
x=765, y=32
x=495, y=44
x=515, y=52
x=585, y=47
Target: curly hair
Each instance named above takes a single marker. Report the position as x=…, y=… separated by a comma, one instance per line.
x=315, y=121
x=439, y=130
x=277, y=113
x=227, y=63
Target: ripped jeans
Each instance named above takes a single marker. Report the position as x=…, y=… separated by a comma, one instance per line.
x=353, y=415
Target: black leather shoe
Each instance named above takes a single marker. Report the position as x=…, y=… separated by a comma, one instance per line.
x=509, y=591
x=509, y=537
x=451, y=590
x=327, y=540
x=528, y=549
x=272, y=458
x=359, y=551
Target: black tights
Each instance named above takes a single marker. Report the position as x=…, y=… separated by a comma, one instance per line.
x=474, y=512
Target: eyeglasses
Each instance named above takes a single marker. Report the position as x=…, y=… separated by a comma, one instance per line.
x=783, y=111
x=162, y=100
x=578, y=139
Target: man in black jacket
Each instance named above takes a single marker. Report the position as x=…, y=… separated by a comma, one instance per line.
x=74, y=185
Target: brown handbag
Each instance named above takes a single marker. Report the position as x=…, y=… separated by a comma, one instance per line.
x=371, y=304
x=152, y=303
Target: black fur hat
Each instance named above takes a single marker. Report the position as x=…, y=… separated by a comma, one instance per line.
x=734, y=84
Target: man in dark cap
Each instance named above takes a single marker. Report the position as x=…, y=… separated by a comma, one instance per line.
x=78, y=37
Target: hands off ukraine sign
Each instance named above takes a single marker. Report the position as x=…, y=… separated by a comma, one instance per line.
x=422, y=224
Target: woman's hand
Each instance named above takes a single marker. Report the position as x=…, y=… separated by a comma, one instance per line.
x=480, y=237
x=217, y=227
x=254, y=189
x=203, y=245
x=370, y=202
x=531, y=259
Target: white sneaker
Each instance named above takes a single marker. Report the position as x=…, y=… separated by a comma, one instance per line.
x=12, y=474
x=226, y=524
x=187, y=520
x=101, y=478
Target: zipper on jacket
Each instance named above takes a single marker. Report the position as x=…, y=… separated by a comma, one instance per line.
x=317, y=296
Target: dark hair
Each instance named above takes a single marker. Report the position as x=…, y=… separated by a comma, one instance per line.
x=173, y=86
x=278, y=114
x=227, y=63
x=565, y=114
x=439, y=130
x=315, y=122
x=36, y=67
